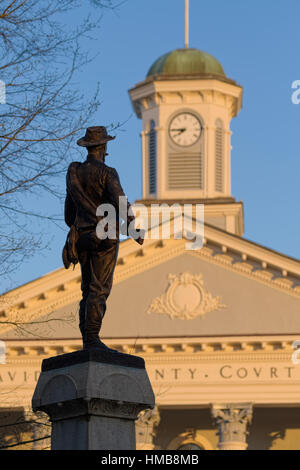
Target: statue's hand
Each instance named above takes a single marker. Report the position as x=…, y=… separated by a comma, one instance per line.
x=140, y=240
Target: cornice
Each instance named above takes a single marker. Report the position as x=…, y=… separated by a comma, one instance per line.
x=208, y=201
x=158, y=350
x=202, y=89
x=185, y=80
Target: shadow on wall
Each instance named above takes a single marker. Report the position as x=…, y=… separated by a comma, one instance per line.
x=271, y=429
x=185, y=429
x=13, y=427
x=21, y=431
x=275, y=429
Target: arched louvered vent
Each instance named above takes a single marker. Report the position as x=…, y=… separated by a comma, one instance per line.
x=219, y=156
x=152, y=158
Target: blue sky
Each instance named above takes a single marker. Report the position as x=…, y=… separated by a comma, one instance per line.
x=257, y=44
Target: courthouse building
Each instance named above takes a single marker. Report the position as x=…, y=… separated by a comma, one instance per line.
x=215, y=325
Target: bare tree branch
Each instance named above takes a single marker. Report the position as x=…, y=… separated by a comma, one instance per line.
x=39, y=59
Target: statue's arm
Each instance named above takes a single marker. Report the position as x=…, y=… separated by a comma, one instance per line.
x=123, y=206
x=70, y=210
x=115, y=192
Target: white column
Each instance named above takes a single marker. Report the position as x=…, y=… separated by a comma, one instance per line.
x=232, y=421
x=41, y=441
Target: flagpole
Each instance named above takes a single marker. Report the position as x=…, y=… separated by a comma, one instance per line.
x=186, y=24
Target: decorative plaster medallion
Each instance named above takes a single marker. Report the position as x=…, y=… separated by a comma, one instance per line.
x=185, y=298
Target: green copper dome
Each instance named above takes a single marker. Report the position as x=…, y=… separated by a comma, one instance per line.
x=186, y=62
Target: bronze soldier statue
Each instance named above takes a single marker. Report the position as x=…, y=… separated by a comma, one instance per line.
x=90, y=184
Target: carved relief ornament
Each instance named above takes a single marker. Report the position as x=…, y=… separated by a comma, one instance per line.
x=186, y=298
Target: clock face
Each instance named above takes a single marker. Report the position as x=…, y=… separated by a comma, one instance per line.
x=185, y=129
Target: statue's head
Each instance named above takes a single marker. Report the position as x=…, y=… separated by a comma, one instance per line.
x=94, y=137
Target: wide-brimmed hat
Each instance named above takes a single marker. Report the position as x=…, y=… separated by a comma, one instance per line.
x=95, y=135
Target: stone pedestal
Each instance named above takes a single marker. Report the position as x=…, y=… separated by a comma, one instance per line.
x=93, y=399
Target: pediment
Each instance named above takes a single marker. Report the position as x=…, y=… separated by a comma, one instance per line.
x=231, y=286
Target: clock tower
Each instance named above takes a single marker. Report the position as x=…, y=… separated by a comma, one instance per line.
x=186, y=104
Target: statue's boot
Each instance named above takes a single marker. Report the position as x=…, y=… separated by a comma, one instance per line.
x=93, y=322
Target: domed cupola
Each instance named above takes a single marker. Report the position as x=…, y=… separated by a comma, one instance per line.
x=192, y=62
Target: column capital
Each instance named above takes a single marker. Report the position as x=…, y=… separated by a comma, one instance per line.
x=232, y=420
x=146, y=428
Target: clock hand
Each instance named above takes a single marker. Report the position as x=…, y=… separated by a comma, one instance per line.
x=180, y=130
x=178, y=134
